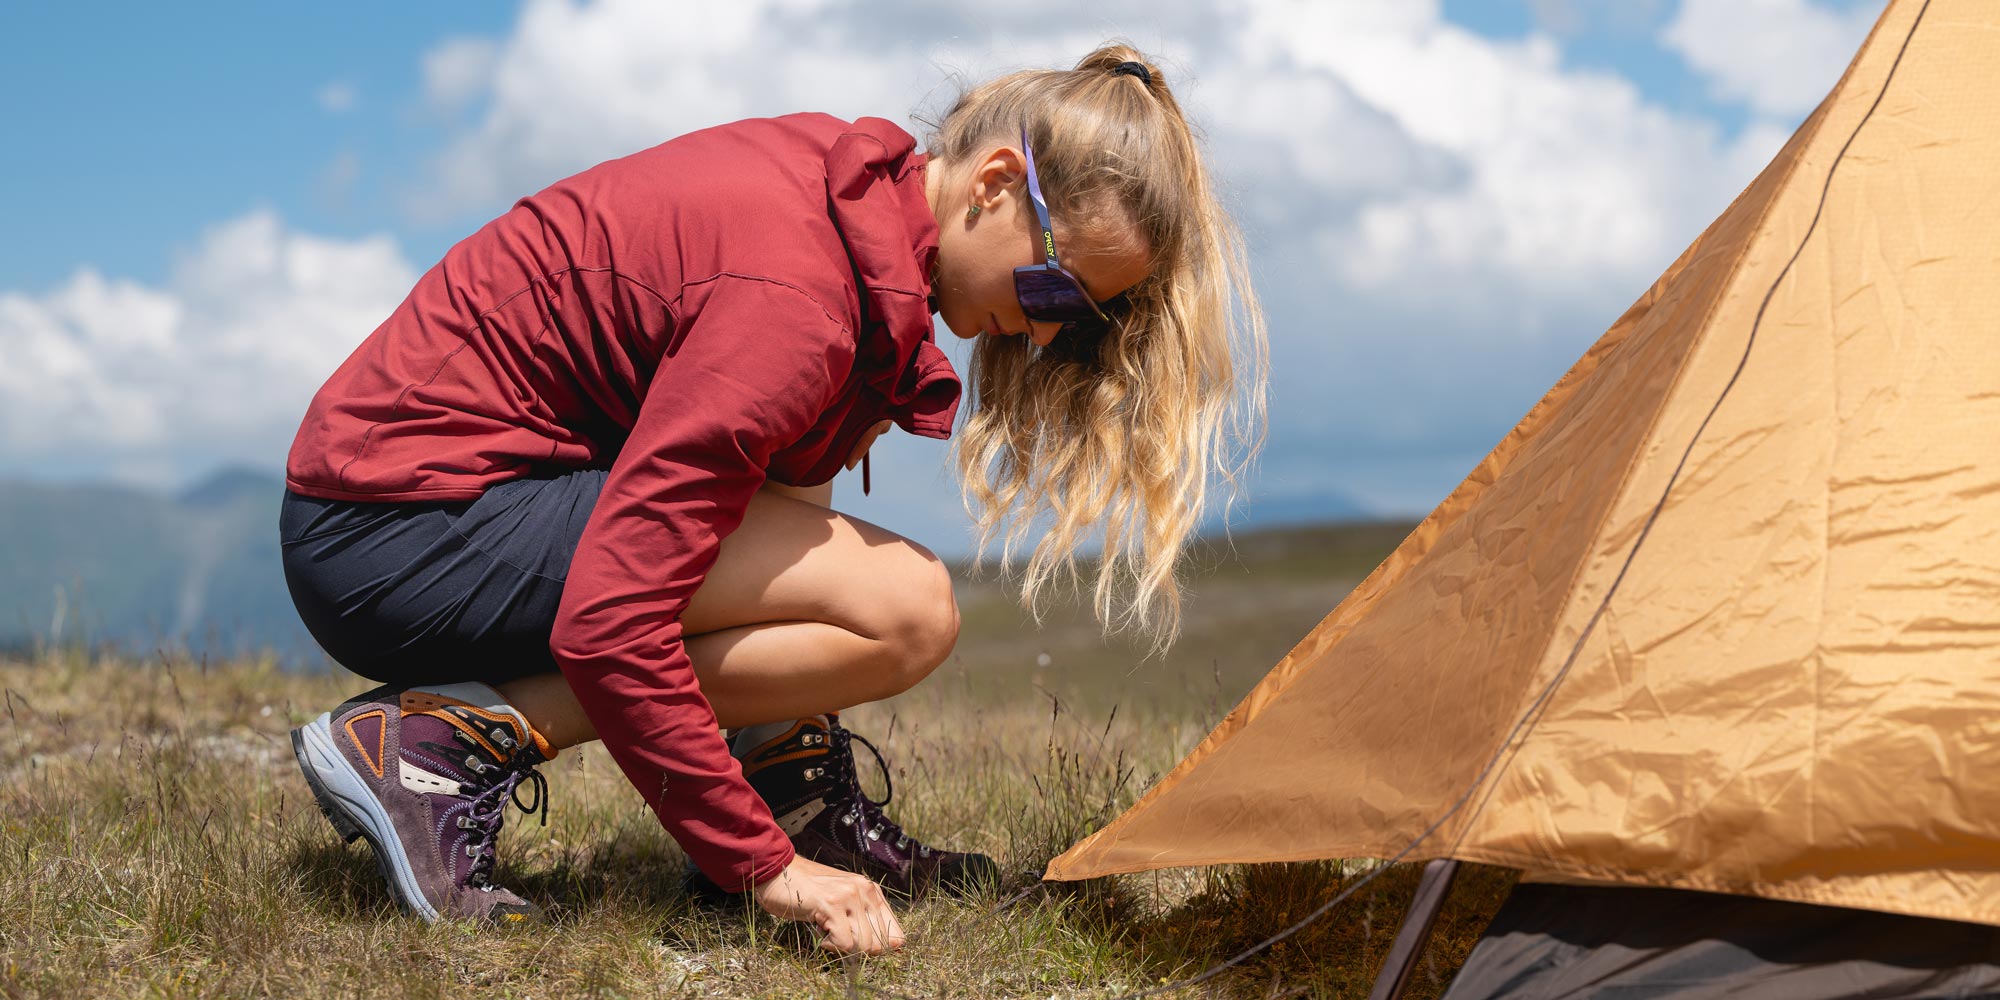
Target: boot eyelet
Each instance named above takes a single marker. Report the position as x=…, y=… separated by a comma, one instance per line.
x=874, y=835
x=464, y=822
x=847, y=819
x=470, y=852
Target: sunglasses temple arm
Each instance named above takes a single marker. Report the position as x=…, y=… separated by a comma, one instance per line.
x=1041, y=207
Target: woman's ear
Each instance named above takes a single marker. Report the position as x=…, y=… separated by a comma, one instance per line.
x=996, y=177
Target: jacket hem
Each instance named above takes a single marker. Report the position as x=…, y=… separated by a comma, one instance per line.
x=430, y=494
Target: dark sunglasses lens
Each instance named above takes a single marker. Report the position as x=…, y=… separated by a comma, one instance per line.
x=1051, y=296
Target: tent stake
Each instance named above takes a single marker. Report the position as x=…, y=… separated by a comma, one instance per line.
x=1416, y=930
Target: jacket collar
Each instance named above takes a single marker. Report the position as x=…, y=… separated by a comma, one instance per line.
x=875, y=193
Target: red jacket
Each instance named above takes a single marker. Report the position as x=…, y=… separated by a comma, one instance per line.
x=736, y=304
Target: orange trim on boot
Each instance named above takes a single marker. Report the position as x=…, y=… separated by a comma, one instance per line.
x=425, y=703
x=381, y=738
x=752, y=763
x=542, y=745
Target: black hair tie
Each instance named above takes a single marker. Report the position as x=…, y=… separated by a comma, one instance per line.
x=1134, y=69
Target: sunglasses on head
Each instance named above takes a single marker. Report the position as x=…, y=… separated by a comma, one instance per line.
x=1049, y=294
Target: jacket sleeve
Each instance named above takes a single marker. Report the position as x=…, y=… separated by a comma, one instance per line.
x=748, y=369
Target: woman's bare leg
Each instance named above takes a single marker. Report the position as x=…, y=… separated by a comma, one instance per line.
x=806, y=611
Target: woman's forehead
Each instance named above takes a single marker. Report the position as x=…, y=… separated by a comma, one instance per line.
x=1106, y=274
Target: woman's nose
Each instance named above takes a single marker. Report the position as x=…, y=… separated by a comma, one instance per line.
x=1042, y=333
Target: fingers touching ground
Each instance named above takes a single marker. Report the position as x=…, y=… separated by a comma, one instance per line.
x=850, y=911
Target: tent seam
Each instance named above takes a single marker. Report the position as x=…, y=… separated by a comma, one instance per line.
x=1509, y=746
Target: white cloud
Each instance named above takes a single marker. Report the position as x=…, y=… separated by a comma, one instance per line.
x=217, y=364
x=1777, y=56
x=338, y=97
x=1565, y=182
x=457, y=71
x=576, y=84
x=1576, y=17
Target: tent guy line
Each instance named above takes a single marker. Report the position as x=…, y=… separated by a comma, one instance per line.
x=1512, y=744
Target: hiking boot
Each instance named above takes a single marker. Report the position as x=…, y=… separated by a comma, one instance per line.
x=425, y=774
x=806, y=775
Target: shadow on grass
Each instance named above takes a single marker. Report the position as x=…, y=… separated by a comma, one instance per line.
x=631, y=874
x=1337, y=955
x=341, y=879
x=346, y=881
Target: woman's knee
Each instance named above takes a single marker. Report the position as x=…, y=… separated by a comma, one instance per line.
x=923, y=625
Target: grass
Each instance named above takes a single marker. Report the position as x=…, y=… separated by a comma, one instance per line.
x=156, y=839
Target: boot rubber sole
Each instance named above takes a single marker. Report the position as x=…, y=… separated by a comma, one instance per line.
x=347, y=802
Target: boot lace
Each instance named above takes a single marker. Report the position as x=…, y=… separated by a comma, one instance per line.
x=486, y=814
x=874, y=824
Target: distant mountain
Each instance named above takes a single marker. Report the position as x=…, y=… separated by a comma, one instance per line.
x=1275, y=511
x=232, y=485
x=131, y=568
x=118, y=566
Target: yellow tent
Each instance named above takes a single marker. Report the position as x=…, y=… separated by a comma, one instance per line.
x=1723, y=611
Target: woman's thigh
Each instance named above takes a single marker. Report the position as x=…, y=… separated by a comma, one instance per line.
x=435, y=593
x=791, y=560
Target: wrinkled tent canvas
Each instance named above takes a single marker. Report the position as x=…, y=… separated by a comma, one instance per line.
x=1723, y=611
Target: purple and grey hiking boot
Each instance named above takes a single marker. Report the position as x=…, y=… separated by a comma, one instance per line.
x=806, y=775
x=425, y=774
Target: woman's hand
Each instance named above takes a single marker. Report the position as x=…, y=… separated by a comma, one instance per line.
x=861, y=447
x=847, y=908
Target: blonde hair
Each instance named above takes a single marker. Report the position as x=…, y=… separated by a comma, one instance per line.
x=1125, y=436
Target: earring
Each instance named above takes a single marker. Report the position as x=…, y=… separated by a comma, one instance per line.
x=972, y=213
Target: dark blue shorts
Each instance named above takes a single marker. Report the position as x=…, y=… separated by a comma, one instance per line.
x=433, y=593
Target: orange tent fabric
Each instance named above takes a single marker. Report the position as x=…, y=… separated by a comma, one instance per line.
x=1723, y=611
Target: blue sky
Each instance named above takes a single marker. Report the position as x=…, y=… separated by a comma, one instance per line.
x=136, y=125
x=208, y=205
